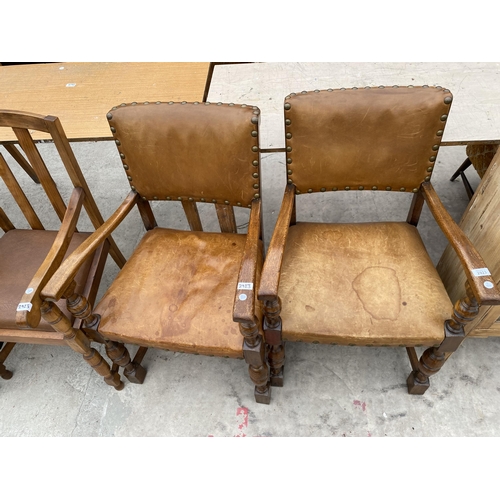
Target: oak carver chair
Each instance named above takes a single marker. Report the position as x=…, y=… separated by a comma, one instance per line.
x=185, y=291
x=29, y=257
x=366, y=284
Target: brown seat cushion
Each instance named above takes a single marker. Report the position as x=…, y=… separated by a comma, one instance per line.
x=362, y=284
x=177, y=292
x=22, y=251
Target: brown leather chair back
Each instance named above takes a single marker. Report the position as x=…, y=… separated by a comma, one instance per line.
x=189, y=151
x=369, y=138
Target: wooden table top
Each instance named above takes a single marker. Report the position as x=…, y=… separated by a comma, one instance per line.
x=81, y=94
x=474, y=116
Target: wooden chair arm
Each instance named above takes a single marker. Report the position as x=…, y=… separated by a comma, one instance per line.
x=244, y=307
x=270, y=279
x=63, y=277
x=28, y=312
x=485, y=290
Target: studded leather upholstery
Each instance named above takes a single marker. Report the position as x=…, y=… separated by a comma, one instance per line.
x=369, y=138
x=196, y=151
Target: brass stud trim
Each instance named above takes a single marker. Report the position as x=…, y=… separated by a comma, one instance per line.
x=289, y=160
x=134, y=103
x=125, y=167
x=255, y=149
x=226, y=202
x=347, y=188
x=168, y=198
x=219, y=104
x=256, y=186
x=157, y=102
x=402, y=189
x=113, y=129
x=144, y=198
x=415, y=190
x=388, y=188
x=361, y=188
x=171, y=102
x=183, y=102
x=155, y=197
x=309, y=190
x=255, y=175
x=323, y=190
x=435, y=147
x=288, y=121
x=133, y=188
x=109, y=116
x=254, y=120
x=179, y=198
x=444, y=118
x=429, y=169
x=288, y=135
x=288, y=149
x=428, y=178
x=146, y=103
x=214, y=201
x=255, y=163
x=118, y=143
x=439, y=133
x=447, y=100
x=239, y=204
x=256, y=195
x=288, y=105
x=432, y=159
x=190, y=199
x=290, y=172
x=202, y=199
x=316, y=90
x=231, y=104
x=129, y=178
x=374, y=188
x=291, y=182
x=335, y=189
x=122, y=155
x=254, y=133
x=122, y=104
x=355, y=88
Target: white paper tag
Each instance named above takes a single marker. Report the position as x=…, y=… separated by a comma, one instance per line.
x=242, y=296
x=488, y=284
x=483, y=271
x=71, y=85
x=24, y=306
x=245, y=286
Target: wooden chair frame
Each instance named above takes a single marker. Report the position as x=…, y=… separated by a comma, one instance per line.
x=32, y=305
x=464, y=311
x=243, y=310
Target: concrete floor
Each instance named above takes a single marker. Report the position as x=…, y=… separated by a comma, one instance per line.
x=329, y=390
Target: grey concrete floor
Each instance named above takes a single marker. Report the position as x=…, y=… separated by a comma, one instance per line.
x=329, y=390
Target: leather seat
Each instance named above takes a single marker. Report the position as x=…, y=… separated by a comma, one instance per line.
x=187, y=281
x=367, y=284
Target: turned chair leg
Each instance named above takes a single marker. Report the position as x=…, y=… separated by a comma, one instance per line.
x=433, y=359
x=276, y=346
x=79, y=307
x=80, y=343
x=254, y=354
x=4, y=373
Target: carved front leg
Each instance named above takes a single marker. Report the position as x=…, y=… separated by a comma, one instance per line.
x=79, y=306
x=272, y=333
x=464, y=311
x=79, y=342
x=254, y=354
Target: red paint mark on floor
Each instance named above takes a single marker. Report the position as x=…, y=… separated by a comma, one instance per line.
x=356, y=402
x=242, y=415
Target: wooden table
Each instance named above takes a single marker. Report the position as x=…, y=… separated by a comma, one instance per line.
x=475, y=112
x=80, y=94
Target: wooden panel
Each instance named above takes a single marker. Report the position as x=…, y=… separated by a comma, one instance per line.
x=192, y=215
x=481, y=223
x=80, y=94
x=227, y=222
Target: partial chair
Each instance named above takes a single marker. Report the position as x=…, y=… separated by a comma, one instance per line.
x=29, y=257
x=185, y=291
x=479, y=156
x=366, y=284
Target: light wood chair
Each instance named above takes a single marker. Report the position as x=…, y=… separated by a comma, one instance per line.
x=366, y=284
x=480, y=157
x=29, y=257
x=185, y=291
